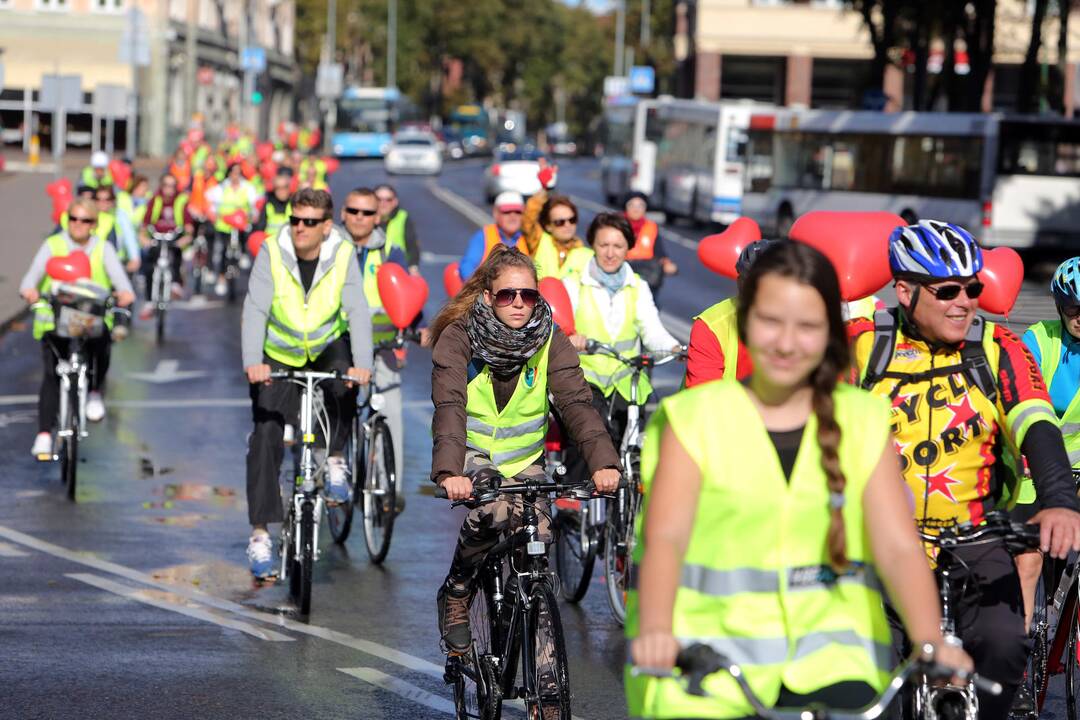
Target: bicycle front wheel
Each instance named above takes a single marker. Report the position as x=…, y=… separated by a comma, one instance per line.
x=380, y=492
x=618, y=553
x=69, y=463
x=339, y=517
x=548, y=690
x=303, y=563
x=1037, y=676
x=576, y=541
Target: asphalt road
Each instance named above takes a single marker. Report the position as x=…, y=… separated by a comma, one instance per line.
x=137, y=602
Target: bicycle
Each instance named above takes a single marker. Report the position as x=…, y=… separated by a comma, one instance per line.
x=233, y=255
x=514, y=614
x=81, y=310
x=610, y=526
x=200, y=257
x=162, y=278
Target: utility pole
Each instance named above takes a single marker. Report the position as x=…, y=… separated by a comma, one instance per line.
x=391, y=44
x=191, y=50
x=329, y=56
x=131, y=144
x=620, y=36
x=646, y=27
x=249, y=79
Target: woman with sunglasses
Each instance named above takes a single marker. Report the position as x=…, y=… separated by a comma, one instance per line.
x=498, y=358
x=551, y=236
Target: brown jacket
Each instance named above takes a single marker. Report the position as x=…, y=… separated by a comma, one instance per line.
x=532, y=230
x=572, y=396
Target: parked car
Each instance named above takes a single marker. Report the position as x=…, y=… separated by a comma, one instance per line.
x=414, y=152
x=514, y=170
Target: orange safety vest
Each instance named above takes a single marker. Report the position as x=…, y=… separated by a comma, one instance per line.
x=645, y=245
x=492, y=238
x=182, y=173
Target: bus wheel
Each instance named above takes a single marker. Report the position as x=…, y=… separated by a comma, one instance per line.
x=784, y=220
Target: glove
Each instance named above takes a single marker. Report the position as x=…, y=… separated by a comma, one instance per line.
x=548, y=176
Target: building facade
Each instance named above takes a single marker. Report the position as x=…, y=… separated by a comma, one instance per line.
x=191, y=64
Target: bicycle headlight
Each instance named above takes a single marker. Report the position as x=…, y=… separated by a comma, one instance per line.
x=377, y=402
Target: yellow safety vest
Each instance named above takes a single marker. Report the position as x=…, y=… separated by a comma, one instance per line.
x=756, y=582
x=722, y=320
x=90, y=180
x=603, y=371
x=232, y=199
x=299, y=328
x=381, y=327
x=179, y=205
x=44, y=320
x=276, y=220
x=1048, y=334
x=395, y=230
x=514, y=438
x=547, y=259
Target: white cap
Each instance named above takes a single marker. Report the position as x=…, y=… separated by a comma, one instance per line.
x=509, y=200
x=99, y=160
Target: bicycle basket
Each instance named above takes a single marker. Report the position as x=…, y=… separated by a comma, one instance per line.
x=80, y=310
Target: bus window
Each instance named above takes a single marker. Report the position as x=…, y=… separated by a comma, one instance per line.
x=937, y=166
x=736, y=144
x=759, y=161
x=1039, y=149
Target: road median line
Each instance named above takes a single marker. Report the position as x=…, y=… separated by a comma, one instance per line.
x=401, y=688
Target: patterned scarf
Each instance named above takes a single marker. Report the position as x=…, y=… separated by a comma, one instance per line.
x=612, y=282
x=504, y=349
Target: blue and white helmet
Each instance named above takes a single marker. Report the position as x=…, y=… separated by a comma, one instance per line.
x=934, y=249
x=1066, y=283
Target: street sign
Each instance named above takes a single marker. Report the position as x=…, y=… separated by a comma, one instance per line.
x=642, y=80
x=615, y=85
x=253, y=59
x=57, y=90
x=111, y=101
x=330, y=80
x=134, y=46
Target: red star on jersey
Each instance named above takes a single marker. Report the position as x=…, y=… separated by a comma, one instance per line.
x=940, y=483
x=962, y=412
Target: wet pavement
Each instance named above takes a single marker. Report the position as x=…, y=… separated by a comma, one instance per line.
x=136, y=601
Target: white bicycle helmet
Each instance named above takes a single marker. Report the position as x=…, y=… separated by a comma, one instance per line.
x=934, y=249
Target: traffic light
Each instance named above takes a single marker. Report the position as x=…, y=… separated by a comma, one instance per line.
x=256, y=97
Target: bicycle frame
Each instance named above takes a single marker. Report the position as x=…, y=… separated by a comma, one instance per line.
x=161, y=280
x=73, y=369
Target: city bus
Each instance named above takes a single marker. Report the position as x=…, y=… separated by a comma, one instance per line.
x=1011, y=180
x=366, y=119
x=617, y=141
x=690, y=157
x=471, y=126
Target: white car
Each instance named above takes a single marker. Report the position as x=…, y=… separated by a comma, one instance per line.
x=414, y=152
x=514, y=171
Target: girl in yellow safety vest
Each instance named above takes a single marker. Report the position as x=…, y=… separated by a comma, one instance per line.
x=776, y=518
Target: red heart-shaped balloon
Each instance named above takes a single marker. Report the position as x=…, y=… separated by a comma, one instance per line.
x=857, y=244
x=332, y=165
x=121, y=173
x=562, y=312
x=1003, y=274
x=68, y=268
x=403, y=295
x=264, y=150
x=451, y=280
x=720, y=252
x=59, y=189
x=268, y=169
x=255, y=242
x=237, y=219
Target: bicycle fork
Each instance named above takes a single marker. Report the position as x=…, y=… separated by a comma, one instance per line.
x=940, y=702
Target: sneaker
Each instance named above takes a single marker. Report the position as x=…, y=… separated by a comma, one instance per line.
x=147, y=312
x=43, y=446
x=453, y=603
x=1023, y=703
x=260, y=552
x=289, y=437
x=221, y=288
x=337, y=481
x=95, y=407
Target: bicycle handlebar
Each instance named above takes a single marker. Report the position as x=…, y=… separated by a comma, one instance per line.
x=997, y=526
x=486, y=492
x=167, y=237
x=399, y=340
x=305, y=374
x=644, y=360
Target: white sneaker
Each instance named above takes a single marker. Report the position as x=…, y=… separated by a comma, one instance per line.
x=260, y=552
x=95, y=407
x=337, y=481
x=289, y=437
x=43, y=446
x=221, y=288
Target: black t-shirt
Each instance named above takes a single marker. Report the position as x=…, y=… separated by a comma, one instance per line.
x=307, y=272
x=787, y=444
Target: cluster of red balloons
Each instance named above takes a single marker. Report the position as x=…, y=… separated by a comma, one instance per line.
x=59, y=191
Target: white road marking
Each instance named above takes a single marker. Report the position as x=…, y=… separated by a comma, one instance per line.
x=197, y=302
x=437, y=258
x=471, y=212
x=668, y=233
x=401, y=688
x=144, y=404
x=18, y=399
x=191, y=611
x=167, y=371
x=10, y=551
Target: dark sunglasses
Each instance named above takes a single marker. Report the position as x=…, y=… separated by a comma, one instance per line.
x=572, y=220
x=84, y=221
x=360, y=211
x=506, y=296
x=951, y=292
x=1072, y=312
x=308, y=222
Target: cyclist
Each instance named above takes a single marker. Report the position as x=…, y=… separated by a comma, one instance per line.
x=506, y=230
x=305, y=309
x=966, y=396
x=275, y=212
x=768, y=525
x=360, y=216
x=115, y=228
x=166, y=212
x=648, y=258
x=551, y=236
x=614, y=306
x=106, y=271
x=97, y=172
x=399, y=228
x=235, y=193
x=496, y=358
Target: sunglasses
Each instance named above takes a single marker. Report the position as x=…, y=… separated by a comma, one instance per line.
x=506, y=296
x=951, y=292
x=82, y=220
x=308, y=222
x=361, y=211
x=572, y=220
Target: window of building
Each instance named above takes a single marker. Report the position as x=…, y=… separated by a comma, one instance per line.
x=108, y=6
x=52, y=4
x=753, y=78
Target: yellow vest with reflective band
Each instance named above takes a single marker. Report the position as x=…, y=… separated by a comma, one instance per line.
x=756, y=582
x=514, y=438
x=276, y=220
x=722, y=319
x=547, y=259
x=89, y=179
x=395, y=230
x=604, y=371
x=106, y=231
x=179, y=205
x=44, y=320
x=232, y=199
x=381, y=327
x=320, y=171
x=299, y=328
x=1048, y=334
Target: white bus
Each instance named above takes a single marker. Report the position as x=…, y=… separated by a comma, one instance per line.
x=689, y=157
x=617, y=140
x=1011, y=180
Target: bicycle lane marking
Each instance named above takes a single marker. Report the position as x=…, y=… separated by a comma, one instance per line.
x=401, y=688
x=191, y=611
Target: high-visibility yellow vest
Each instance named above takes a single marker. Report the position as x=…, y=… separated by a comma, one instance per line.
x=1048, y=334
x=106, y=231
x=604, y=371
x=179, y=205
x=722, y=320
x=276, y=220
x=381, y=327
x=232, y=199
x=514, y=438
x=89, y=179
x=395, y=230
x=756, y=582
x=299, y=328
x=546, y=258
x=44, y=320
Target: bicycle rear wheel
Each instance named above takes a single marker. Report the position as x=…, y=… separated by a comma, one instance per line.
x=477, y=694
x=618, y=552
x=380, y=492
x=1072, y=665
x=548, y=691
x=339, y=517
x=303, y=564
x=576, y=544
x=1037, y=676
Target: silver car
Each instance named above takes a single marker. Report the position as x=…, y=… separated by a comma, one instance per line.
x=413, y=152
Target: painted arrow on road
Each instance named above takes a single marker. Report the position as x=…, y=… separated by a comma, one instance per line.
x=167, y=371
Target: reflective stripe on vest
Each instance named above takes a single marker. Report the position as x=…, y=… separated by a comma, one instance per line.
x=44, y=320
x=179, y=205
x=381, y=327
x=1048, y=334
x=604, y=372
x=300, y=328
x=232, y=199
x=512, y=438
x=547, y=259
x=492, y=238
x=395, y=230
x=645, y=244
x=722, y=320
x=752, y=584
